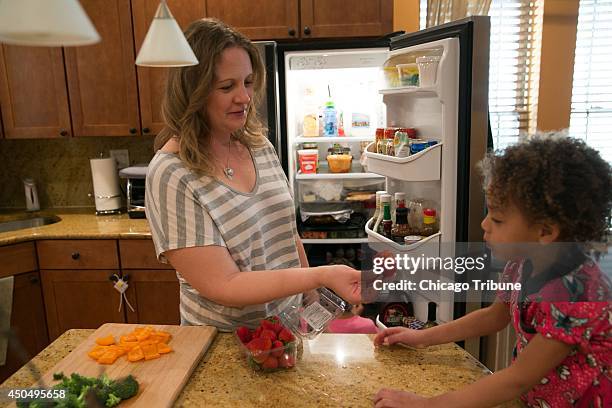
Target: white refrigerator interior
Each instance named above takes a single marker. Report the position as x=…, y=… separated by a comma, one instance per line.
x=350, y=79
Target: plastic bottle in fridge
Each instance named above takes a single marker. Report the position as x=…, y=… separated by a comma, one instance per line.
x=330, y=120
x=310, y=118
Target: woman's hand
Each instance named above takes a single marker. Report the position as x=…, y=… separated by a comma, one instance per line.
x=409, y=337
x=397, y=399
x=343, y=280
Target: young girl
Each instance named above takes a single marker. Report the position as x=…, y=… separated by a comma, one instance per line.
x=553, y=195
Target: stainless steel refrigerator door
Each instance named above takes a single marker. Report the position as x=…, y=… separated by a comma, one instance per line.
x=268, y=108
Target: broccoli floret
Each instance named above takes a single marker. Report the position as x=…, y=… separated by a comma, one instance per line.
x=112, y=400
x=58, y=376
x=125, y=388
x=82, y=391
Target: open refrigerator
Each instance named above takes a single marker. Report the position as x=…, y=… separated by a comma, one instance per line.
x=452, y=111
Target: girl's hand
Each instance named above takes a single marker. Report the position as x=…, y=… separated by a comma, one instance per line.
x=397, y=399
x=409, y=337
x=343, y=280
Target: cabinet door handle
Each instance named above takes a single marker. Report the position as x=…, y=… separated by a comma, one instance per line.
x=34, y=280
x=75, y=255
x=292, y=32
x=146, y=131
x=307, y=30
x=63, y=132
x=133, y=131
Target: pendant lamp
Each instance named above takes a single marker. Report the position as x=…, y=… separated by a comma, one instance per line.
x=47, y=23
x=165, y=45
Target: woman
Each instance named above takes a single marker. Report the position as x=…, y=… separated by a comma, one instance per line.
x=217, y=200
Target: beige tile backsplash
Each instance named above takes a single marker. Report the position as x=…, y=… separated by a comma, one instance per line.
x=60, y=167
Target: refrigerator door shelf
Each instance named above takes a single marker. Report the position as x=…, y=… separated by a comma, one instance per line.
x=328, y=241
x=409, y=90
x=422, y=166
x=339, y=139
x=428, y=246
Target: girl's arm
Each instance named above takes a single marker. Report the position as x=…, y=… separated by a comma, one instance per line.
x=539, y=358
x=481, y=322
x=214, y=274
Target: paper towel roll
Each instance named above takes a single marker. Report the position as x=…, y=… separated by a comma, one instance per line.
x=106, y=184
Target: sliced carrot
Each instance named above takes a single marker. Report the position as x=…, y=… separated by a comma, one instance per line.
x=106, y=341
x=150, y=351
x=135, y=354
x=108, y=358
x=142, y=343
x=128, y=338
x=97, y=352
x=163, y=348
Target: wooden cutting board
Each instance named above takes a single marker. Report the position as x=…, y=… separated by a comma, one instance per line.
x=160, y=380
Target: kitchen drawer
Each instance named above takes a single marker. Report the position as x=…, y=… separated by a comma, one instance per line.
x=17, y=259
x=78, y=254
x=139, y=254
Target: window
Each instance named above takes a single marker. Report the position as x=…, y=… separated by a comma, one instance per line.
x=591, y=109
x=513, y=67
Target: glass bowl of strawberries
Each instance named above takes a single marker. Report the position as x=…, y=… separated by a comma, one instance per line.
x=270, y=347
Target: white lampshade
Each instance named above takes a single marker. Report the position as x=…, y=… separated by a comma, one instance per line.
x=165, y=45
x=46, y=23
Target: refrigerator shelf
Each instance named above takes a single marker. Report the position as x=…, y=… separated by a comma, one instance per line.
x=408, y=90
x=335, y=241
x=324, y=173
x=336, y=176
x=342, y=139
x=422, y=166
x=428, y=246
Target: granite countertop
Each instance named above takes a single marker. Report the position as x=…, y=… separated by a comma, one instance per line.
x=335, y=370
x=76, y=224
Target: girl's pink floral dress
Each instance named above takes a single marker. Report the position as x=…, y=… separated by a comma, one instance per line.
x=553, y=308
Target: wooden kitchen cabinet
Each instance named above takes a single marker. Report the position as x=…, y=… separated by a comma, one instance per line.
x=260, y=19
x=153, y=289
x=33, y=93
x=303, y=19
x=28, y=324
x=152, y=81
x=345, y=18
x=102, y=77
x=76, y=283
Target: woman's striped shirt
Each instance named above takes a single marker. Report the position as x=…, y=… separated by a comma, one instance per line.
x=257, y=228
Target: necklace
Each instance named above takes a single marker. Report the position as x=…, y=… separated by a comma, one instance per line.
x=229, y=172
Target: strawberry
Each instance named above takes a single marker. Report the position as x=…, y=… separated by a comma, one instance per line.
x=277, y=328
x=277, y=348
x=244, y=334
x=270, y=363
x=257, y=332
x=268, y=334
x=273, y=319
x=259, y=348
x=286, y=336
x=286, y=361
x=267, y=324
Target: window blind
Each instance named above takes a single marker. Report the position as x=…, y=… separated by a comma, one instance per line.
x=513, y=67
x=591, y=109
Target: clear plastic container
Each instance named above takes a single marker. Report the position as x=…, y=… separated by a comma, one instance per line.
x=428, y=68
x=311, y=318
x=270, y=347
x=276, y=343
x=408, y=74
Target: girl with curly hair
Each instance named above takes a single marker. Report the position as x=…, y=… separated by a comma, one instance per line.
x=546, y=199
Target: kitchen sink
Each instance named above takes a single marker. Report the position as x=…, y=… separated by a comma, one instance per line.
x=39, y=221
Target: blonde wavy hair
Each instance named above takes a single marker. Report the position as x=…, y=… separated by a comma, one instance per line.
x=188, y=90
